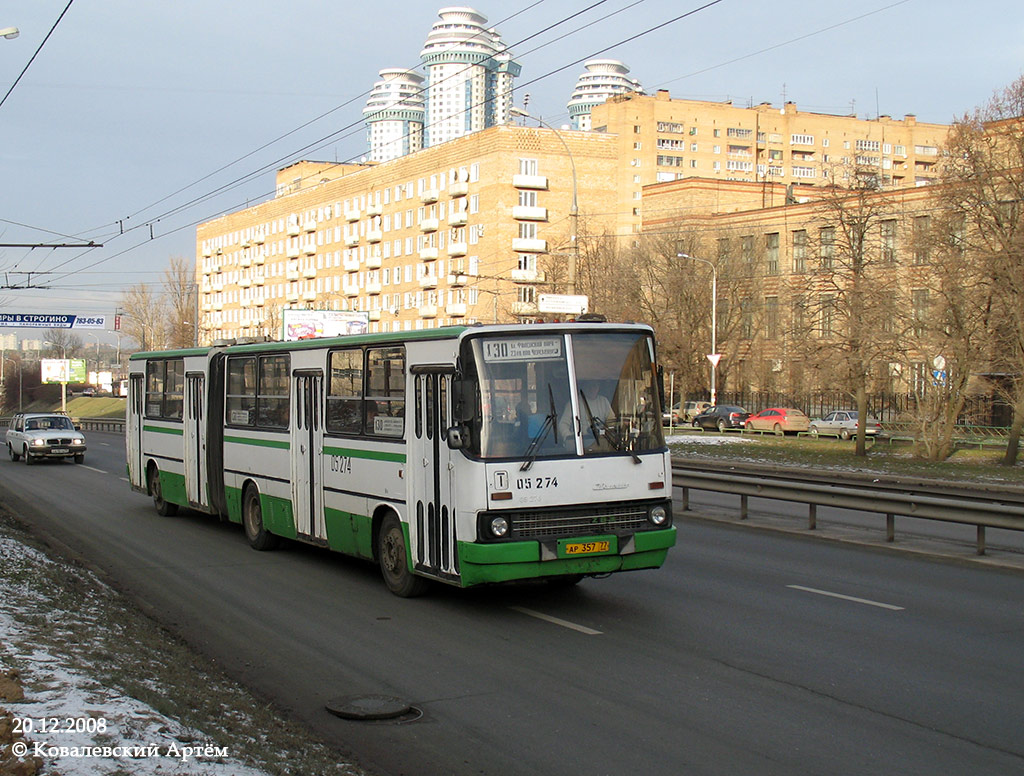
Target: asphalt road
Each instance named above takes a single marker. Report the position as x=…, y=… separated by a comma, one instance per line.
x=748, y=653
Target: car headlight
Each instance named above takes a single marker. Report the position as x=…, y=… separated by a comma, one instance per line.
x=78, y=441
x=499, y=527
x=38, y=442
x=658, y=515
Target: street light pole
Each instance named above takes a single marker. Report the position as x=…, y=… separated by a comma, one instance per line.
x=714, y=355
x=574, y=210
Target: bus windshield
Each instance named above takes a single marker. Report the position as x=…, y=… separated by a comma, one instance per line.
x=551, y=395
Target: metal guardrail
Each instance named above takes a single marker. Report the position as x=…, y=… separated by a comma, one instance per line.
x=931, y=501
x=115, y=425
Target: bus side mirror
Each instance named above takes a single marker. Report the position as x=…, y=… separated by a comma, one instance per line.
x=456, y=440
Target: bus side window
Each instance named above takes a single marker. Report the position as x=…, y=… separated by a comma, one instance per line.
x=345, y=391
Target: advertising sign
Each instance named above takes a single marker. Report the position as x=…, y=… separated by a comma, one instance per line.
x=42, y=321
x=63, y=370
x=562, y=304
x=310, y=324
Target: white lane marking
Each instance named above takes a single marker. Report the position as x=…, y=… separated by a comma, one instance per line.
x=556, y=621
x=846, y=597
x=99, y=471
x=125, y=479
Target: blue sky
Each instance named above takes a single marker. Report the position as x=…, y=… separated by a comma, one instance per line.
x=129, y=103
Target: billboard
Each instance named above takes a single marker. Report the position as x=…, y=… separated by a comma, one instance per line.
x=310, y=324
x=43, y=321
x=63, y=370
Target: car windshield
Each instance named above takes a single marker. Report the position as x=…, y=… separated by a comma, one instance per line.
x=550, y=395
x=47, y=424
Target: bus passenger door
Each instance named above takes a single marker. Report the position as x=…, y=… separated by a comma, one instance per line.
x=133, y=431
x=432, y=511
x=307, y=446
x=195, y=439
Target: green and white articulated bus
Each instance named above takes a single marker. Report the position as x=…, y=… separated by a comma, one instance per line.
x=466, y=455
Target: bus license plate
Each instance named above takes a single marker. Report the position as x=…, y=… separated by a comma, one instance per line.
x=586, y=548
x=59, y=450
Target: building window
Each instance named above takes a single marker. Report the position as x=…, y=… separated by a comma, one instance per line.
x=922, y=228
x=747, y=249
x=800, y=251
x=889, y=240
x=527, y=166
x=827, y=242
x=527, y=230
x=919, y=303
x=826, y=315
x=771, y=244
x=528, y=198
x=771, y=317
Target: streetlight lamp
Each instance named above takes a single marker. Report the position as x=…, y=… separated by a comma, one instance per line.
x=714, y=355
x=10, y=32
x=574, y=211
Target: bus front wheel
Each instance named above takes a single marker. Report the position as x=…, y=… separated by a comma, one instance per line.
x=252, y=518
x=393, y=557
x=163, y=507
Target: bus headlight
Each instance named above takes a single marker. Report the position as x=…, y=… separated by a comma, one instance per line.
x=499, y=527
x=658, y=515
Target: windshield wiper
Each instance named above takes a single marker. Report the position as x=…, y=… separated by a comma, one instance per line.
x=550, y=424
x=598, y=425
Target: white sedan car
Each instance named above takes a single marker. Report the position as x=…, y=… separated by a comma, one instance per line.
x=39, y=435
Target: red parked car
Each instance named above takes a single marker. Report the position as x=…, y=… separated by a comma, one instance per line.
x=781, y=420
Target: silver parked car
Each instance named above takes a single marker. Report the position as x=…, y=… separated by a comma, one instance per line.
x=39, y=435
x=843, y=424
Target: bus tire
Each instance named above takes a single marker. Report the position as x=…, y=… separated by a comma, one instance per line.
x=252, y=520
x=163, y=508
x=393, y=557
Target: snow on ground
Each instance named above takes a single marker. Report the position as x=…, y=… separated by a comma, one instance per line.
x=76, y=726
x=706, y=439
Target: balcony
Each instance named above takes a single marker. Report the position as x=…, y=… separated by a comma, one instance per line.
x=428, y=254
x=529, y=245
x=457, y=249
x=218, y=306
x=350, y=264
x=352, y=240
x=524, y=308
x=352, y=215
x=293, y=230
x=207, y=253
x=259, y=239
x=260, y=258
x=374, y=288
x=459, y=189
x=244, y=283
x=374, y=315
x=292, y=295
x=245, y=261
x=374, y=210
x=527, y=276
x=374, y=262
x=428, y=281
x=246, y=243
x=291, y=274
x=309, y=272
x=374, y=236
x=259, y=281
x=258, y=302
x=309, y=296
x=530, y=182
x=293, y=253
x=428, y=311
x=458, y=219
x=429, y=196
x=429, y=225
x=456, y=310
x=245, y=303
x=208, y=307
x=309, y=250
x=528, y=213
x=457, y=280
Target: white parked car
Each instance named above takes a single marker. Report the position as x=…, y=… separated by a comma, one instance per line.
x=39, y=435
x=843, y=424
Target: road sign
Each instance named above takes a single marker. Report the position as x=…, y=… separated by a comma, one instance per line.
x=563, y=304
x=714, y=358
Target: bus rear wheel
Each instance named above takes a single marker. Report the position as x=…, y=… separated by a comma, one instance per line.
x=252, y=519
x=394, y=560
x=163, y=507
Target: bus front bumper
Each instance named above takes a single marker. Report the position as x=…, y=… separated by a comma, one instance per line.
x=506, y=561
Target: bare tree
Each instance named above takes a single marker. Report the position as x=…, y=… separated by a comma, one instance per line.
x=181, y=294
x=984, y=173
x=144, y=317
x=62, y=343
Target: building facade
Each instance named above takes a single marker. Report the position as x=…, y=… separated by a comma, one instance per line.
x=602, y=79
x=394, y=115
x=663, y=139
x=463, y=232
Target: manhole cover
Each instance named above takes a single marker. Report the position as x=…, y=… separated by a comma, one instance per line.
x=368, y=707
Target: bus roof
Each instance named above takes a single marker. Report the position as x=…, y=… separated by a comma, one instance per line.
x=443, y=333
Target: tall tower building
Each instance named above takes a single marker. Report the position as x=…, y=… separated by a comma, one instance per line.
x=469, y=76
x=394, y=115
x=603, y=79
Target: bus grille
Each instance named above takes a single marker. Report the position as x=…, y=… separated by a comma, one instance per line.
x=578, y=521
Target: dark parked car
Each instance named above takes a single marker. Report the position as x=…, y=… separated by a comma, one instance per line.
x=721, y=417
